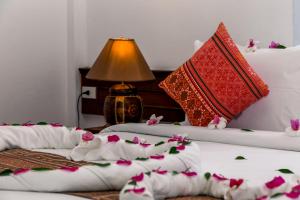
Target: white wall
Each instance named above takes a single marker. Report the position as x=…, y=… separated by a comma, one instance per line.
x=44, y=42
x=33, y=56
x=297, y=22
x=165, y=29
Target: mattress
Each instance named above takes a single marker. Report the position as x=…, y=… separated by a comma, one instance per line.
x=258, y=165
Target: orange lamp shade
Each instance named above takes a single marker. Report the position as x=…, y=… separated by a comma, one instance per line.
x=120, y=60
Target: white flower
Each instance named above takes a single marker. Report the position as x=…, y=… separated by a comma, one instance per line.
x=154, y=120
x=252, y=46
x=217, y=122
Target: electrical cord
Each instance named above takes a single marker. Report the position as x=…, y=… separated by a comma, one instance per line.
x=78, y=101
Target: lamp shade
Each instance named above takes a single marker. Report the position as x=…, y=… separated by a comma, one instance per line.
x=120, y=60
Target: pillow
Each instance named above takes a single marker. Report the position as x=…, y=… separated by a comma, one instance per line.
x=217, y=80
x=281, y=69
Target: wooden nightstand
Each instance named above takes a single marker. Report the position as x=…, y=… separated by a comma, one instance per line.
x=96, y=130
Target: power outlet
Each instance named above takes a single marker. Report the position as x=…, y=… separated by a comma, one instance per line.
x=92, y=91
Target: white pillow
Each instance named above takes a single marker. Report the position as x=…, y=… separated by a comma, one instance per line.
x=280, y=69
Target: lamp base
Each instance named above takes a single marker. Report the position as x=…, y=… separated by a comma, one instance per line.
x=123, y=105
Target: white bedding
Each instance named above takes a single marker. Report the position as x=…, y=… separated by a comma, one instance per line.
x=260, y=163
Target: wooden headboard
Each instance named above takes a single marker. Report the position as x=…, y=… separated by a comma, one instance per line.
x=155, y=100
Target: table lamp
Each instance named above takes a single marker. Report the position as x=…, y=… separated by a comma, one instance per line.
x=121, y=60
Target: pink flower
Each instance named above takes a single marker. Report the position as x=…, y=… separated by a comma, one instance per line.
x=78, y=129
x=69, y=169
x=136, y=190
x=56, y=124
x=88, y=136
x=219, y=177
x=138, y=178
x=123, y=162
x=158, y=171
x=295, y=124
x=136, y=140
x=157, y=157
x=189, y=174
x=273, y=45
x=144, y=145
x=276, y=182
x=154, y=120
x=113, y=138
x=4, y=124
x=265, y=197
x=20, y=171
x=180, y=147
x=236, y=182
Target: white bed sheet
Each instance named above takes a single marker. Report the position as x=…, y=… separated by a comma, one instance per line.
x=216, y=157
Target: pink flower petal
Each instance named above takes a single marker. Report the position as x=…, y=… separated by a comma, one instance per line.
x=56, y=124
x=265, y=197
x=158, y=171
x=78, y=129
x=113, y=138
x=145, y=145
x=292, y=194
x=138, y=178
x=295, y=124
x=152, y=122
x=180, y=148
x=157, y=157
x=236, y=182
x=28, y=124
x=20, y=171
x=136, y=140
x=296, y=188
x=216, y=120
x=276, y=182
x=123, y=162
x=176, y=138
x=190, y=174
x=137, y=190
x=219, y=177
x=69, y=169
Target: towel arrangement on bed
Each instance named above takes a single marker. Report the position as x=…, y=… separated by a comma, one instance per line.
x=169, y=168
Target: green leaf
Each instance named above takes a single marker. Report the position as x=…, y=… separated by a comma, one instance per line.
x=42, y=123
x=15, y=124
x=174, y=173
x=142, y=159
x=173, y=150
x=129, y=141
x=132, y=182
x=6, y=172
x=276, y=195
x=160, y=143
x=207, y=176
x=177, y=123
x=40, y=169
x=102, y=164
x=247, y=130
x=240, y=158
x=148, y=173
x=281, y=47
x=285, y=171
x=186, y=142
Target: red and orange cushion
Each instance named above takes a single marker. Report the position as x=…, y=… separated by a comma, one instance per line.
x=217, y=80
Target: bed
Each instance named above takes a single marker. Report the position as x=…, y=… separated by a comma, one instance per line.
x=264, y=154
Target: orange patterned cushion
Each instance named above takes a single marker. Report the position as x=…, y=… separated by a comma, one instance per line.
x=217, y=80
